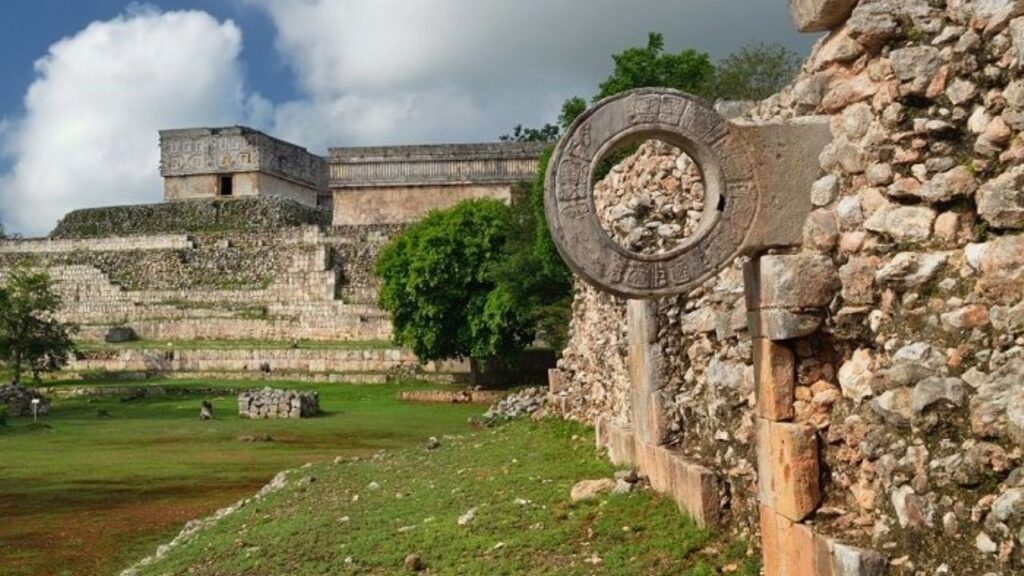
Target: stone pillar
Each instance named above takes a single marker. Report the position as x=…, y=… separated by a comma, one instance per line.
x=784, y=296
x=646, y=362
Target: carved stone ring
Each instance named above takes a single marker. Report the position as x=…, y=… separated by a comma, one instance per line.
x=730, y=202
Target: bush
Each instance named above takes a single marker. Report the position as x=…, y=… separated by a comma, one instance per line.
x=3, y=415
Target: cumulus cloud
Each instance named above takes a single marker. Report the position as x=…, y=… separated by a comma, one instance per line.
x=404, y=71
x=89, y=133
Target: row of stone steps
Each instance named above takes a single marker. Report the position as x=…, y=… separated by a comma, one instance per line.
x=59, y=386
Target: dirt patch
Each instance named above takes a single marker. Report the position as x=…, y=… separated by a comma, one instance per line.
x=101, y=531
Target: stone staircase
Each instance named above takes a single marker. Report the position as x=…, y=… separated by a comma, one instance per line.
x=310, y=296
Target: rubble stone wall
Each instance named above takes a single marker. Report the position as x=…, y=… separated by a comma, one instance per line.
x=915, y=382
x=273, y=404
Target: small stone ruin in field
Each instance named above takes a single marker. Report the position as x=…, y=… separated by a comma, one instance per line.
x=271, y=403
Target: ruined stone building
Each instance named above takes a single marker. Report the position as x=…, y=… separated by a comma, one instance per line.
x=259, y=240
x=806, y=325
x=851, y=397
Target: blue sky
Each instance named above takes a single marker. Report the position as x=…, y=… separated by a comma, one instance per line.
x=89, y=83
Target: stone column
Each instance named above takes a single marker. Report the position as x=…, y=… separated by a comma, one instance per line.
x=646, y=375
x=785, y=295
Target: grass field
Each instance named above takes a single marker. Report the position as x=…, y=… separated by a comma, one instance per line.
x=365, y=517
x=86, y=493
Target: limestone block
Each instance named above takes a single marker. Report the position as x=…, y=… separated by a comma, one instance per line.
x=788, y=547
x=695, y=490
x=779, y=324
x=851, y=561
x=788, y=468
x=774, y=374
x=791, y=281
x=620, y=446
x=820, y=15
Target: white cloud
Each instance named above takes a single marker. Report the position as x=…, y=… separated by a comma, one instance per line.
x=406, y=71
x=89, y=133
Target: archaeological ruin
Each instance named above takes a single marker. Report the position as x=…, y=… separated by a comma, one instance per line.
x=259, y=240
x=805, y=324
x=830, y=359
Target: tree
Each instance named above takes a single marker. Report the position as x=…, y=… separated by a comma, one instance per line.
x=687, y=70
x=572, y=109
x=438, y=284
x=755, y=72
x=546, y=133
x=31, y=338
x=532, y=273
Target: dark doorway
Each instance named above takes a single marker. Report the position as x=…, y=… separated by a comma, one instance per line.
x=226, y=184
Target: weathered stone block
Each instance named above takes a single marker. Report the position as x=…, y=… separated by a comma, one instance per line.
x=620, y=446
x=852, y=561
x=774, y=374
x=820, y=15
x=791, y=281
x=788, y=468
x=778, y=324
x=646, y=371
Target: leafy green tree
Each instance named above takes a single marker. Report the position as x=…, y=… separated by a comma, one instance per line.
x=31, y=338
x=572, y=109
x=438, y=285
x=532, y=273
x=755, y=72
x=688, y=70
x=546, y=133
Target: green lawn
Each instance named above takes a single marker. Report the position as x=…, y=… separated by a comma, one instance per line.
x=365, y=517
x=85, y=494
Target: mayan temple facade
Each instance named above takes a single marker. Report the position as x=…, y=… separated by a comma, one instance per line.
x=259, y=241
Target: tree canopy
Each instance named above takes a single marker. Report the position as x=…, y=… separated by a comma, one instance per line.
x=687, y=70
x=438, y=284
x=755, y=72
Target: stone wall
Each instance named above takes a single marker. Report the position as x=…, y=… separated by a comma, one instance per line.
x=269, y=403
x=407, y=204
x=238, y=214
x=400, y=184
x=913, y=383
x=282, y=284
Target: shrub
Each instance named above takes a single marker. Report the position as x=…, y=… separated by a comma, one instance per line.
x=3, y=415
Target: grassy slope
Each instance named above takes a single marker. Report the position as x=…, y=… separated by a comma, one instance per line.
x=517, y=477
x=88, y=494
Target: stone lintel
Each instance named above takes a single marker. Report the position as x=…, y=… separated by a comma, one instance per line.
x=788, y=468
x=775, y=375
x=785, y=157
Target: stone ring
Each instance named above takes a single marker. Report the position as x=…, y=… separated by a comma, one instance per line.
x=730, y=202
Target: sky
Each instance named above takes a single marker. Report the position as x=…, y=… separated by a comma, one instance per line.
x=87, y=84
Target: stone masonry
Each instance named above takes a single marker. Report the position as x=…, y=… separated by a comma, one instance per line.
x=277, y=404
x=855, y=396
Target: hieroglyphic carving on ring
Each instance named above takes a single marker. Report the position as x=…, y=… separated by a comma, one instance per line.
x=731, y=193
